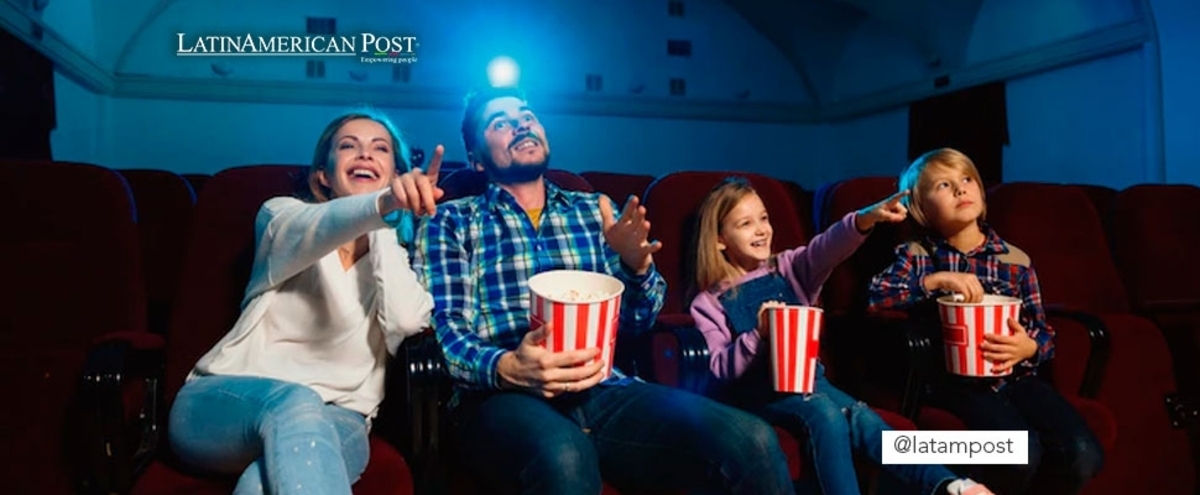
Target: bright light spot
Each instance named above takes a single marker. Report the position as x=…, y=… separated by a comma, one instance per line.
x=502, y=71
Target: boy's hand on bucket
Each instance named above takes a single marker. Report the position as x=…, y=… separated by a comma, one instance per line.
x=966, y=284
x=535, y=369
x=1008, y=350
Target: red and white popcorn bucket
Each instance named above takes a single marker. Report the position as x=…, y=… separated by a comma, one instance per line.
x=795, y=346
x=582, y=309
x=964, y=326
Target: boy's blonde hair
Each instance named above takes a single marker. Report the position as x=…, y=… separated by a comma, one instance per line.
x=915, y=180
x=712, y=267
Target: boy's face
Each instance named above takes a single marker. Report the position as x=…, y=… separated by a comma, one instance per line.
x=952, y=200
x=746, y=233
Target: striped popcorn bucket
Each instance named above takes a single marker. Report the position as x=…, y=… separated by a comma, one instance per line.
x=964, y=326
x=582, y=309
x=795, y=344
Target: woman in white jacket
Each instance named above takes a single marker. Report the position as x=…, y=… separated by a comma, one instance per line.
x=286, y=398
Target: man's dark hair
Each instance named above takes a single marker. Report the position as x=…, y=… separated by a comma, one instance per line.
x=475, y=101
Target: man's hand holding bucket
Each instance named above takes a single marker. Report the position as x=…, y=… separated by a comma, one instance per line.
x=534, y=368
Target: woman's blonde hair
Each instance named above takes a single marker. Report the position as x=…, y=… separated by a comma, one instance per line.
x=712, y=267
x=915, y=179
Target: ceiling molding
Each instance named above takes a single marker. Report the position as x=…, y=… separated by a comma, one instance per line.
x=391, y=96
x=1096, y=44
x=73, y=63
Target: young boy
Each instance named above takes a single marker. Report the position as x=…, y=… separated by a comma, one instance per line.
x=958, y=253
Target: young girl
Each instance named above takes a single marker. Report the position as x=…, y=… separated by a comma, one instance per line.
x=740, y=276
x=284, y=401
x=959, y=253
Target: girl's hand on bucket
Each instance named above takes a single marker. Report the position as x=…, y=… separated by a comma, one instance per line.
x=535, y=369
x=764, y=323
x=1008, y=350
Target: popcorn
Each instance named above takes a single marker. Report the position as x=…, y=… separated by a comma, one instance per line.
x=575, y=296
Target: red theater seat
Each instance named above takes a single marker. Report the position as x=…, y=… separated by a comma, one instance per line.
x=1155, y=237
x=846, y=290
x=164, y=202
x=72, y=272
x=884, y=371
x=1058, y=226
x=619, y=186
x=197, y=181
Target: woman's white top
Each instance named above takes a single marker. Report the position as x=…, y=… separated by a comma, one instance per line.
x=307, y=319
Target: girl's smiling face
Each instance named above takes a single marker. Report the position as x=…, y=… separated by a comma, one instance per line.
x=745, y=234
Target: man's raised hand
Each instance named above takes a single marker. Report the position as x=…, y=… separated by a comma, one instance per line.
x=629, y=235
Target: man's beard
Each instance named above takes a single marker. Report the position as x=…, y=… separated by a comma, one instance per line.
x=515, y=173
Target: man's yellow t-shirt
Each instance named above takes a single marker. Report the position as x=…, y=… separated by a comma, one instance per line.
x=535, y=216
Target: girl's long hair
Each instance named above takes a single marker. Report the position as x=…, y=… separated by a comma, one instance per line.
x=712, y=267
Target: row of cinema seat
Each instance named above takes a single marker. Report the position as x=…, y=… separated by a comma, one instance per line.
x=120, y=288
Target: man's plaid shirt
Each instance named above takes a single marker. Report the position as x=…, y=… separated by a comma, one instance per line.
x=477, y=254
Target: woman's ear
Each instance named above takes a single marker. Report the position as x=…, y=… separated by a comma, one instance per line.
x=321, y=179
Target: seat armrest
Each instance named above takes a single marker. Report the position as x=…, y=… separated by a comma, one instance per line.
x=426, y=380
x=425, y=389
x=883, y=344
x=1100, y=349
x=694, y=373
x=923, y=359
x=685, y=345
x=120, y=445
x=673, y=352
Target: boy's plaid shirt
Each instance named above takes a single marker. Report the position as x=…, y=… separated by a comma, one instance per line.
x=901, y=286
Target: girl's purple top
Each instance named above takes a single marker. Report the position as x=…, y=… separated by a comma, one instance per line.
x=805, y=268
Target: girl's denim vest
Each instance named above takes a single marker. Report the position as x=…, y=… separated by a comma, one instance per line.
x=741, y=304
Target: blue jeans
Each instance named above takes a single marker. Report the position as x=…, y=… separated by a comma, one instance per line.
x=634, y=436
x=1060, y=442
x=837, y=426
x=278, y=436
